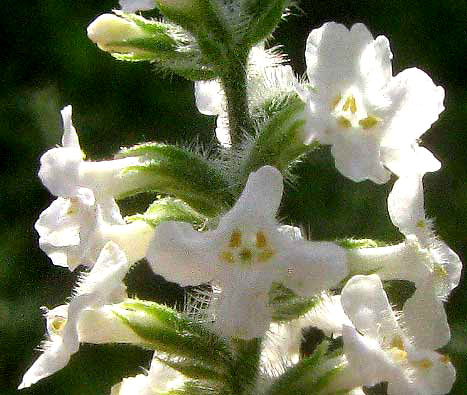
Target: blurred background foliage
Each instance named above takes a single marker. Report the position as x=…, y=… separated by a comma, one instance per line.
x=48, y=62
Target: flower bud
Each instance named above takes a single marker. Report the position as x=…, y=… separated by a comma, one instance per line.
x=111, y=33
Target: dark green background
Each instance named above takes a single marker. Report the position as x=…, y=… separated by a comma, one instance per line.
x=48, y=62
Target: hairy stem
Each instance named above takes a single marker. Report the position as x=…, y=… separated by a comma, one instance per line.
x=234, y=82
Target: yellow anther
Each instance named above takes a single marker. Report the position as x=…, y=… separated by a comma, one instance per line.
x=344, y=122
x=368, y=122
x=422, y=364
x=58, y=323
x=398, y=355
x=235, y=239
x=421, y=224
x=350, y=104
x=397, y=342
x=335, y=102
x=226, y=256
x=440, y=271
x=445, y=359
x=245, y=255
x=265, y=255
x=260, y=239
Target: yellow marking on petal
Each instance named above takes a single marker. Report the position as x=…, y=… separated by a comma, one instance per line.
x=350, y=104
x=265, y=255
x=226, y=256
x=445, y=359
x=235, y=239
x=421, y=224
x=344, y=122
x=368, y=122
x=397, y=342
x=335, y=102
x=440, y=271
x=245, y=255
x=422, y=364
x=260, y=239
x=58, y=323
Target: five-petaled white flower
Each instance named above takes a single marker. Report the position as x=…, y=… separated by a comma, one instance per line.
x=102, y=285
x=358, y=107
x=160, y=379
x=72, y=232
x=244, y=256
x=378, y=349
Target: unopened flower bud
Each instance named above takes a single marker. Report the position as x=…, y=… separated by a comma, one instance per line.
x=111, y=33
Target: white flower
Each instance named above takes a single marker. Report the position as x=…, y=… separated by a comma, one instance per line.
x=73, y=231
x=103, y=284
x=160, y=379
x=379, y=350
x=267, y=77
x=136, y=5
x=244, y=256
x=358, y=107
x=64, y=172
x=435, y=270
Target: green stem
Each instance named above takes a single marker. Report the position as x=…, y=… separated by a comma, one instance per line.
x=234, y=82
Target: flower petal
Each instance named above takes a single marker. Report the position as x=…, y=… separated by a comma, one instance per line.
x=425, y=320
x=366, y=304
x=416, y=105
x=308, y=268
x=242, y=312
x=359, y=159
x=209, y=96
x=182, y=255
x=367, y=359
x=333, y=55
x=136, y=5
x=259, y=201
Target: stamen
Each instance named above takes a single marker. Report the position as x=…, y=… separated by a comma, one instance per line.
x=368, y=122
x=421, y=224
x=445, y=359
x=440, y=270
x=226, y=256
x=422, y=364
x=335, y=102
x=235, y=239
x=397, y=342
x=260, y=239
x=58, y=323
x=344, y=122
x=351, y=104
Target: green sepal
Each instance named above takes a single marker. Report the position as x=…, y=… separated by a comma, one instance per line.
x=279, y=142
x=194, y=369
x=164, y=329
x=181, y=173
x=286, y=305
x=299, y=379
x=350, y=243
x=169, y=209
x=244, y=367
x=263, y=18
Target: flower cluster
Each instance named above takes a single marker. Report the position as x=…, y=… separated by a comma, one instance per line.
x=214, y=223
